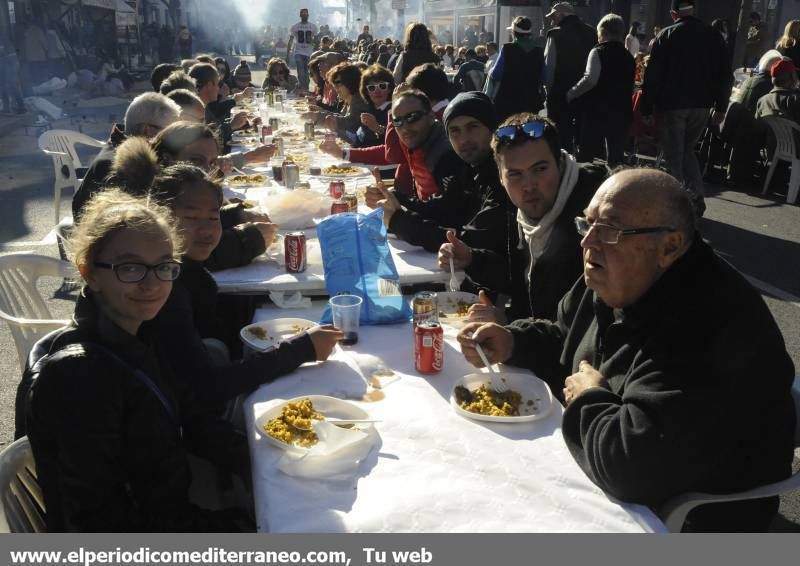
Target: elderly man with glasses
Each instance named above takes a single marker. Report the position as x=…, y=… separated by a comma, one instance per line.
x=547, y=188
x=673, y=371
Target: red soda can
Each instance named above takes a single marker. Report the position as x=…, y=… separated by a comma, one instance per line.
x=429, y=347
x=336, y=189
x=265, y=131
x=339, y=206
x=294, y=246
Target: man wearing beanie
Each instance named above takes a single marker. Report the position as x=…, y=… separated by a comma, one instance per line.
x=688, y=75
x=541, y=258
x=784, y=98
x=514, y=82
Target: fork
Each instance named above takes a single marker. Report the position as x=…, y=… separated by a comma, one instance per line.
x=497, y=385
x=453, y=281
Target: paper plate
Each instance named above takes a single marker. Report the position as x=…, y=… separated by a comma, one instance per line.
x=328, y=406
x=448, y=304
x=536, y=397
x=265, y=335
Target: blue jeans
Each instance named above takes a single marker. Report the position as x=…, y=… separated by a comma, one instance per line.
x=301, y=62
x=680, y=130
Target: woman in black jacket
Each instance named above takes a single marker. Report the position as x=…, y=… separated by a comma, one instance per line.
x=103, y=419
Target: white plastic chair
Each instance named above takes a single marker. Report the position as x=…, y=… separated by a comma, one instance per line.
x=21, y=501
x=784, y=151
x=60, y=145
x=674, y=511
x=21, y=306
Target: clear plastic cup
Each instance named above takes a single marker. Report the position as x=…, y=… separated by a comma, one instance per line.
x=346, y=311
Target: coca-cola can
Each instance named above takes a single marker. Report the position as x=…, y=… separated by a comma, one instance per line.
x=423, y=308
x=339, y=206
x=336, y=189
x=429, y=347
x=294, y=245
x=265, y=131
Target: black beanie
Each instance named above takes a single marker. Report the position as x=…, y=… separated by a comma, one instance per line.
x=474, y=104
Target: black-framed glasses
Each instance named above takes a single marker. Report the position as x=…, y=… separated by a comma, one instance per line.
x=530, y=130
x=372, y=87
x=410, y=118
x=611, y=234
x=132, y=272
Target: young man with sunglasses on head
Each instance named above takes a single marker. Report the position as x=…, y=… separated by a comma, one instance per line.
x=653, y=351
x=547, y=188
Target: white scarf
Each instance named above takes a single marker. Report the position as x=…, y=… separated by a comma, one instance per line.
x=537, y=233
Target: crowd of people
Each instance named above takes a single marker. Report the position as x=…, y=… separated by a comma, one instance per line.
x=596, y=278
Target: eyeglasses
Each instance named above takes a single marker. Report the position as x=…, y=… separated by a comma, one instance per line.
x=530, y=130
x=372, y=87
x=610, y=234
x=131, y=272
x=410, y=118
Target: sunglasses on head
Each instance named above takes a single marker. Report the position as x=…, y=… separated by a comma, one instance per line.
x=410, y=118
x=529, y=130
x=375, y=86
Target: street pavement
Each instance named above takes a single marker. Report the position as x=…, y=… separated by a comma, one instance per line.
x=759, y=235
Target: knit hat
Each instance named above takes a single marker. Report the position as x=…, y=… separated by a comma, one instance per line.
x=242, y=72
x=784, y=66
x=474, y=104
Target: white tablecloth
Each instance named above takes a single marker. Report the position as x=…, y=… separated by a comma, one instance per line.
x=414, y=265
x=433, y=471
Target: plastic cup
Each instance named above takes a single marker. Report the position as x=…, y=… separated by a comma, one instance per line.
x=346, y=311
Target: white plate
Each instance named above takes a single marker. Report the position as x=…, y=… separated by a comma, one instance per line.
x=277, y=330
x=328, y=406
x=530, y=387
x=447, y=303
x=362, y=172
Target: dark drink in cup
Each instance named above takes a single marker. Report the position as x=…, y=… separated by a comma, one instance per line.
x=350, y=338
x=277, y=172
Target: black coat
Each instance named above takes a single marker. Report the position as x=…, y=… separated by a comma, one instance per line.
x=99, y=169
x=688, y=68
x=503, y=272
x=696, y=395
x=108, y=454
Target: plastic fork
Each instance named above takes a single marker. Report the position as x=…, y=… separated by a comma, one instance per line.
x=453, y=281
x=339, y=422
x=496, y=385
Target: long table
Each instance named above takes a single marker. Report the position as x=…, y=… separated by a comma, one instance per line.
x=433, y=470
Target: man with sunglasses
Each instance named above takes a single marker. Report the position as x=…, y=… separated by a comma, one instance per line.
x=434, y=166
x=540, y=258
x=652, y=352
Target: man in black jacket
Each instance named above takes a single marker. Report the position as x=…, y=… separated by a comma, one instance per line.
x=568, y=46
x=540, y=258
x=147, y=114
x=659, y=351
x=688, y=74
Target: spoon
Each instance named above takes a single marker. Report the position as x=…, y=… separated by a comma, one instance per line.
x=453, y=280
x=339, y=422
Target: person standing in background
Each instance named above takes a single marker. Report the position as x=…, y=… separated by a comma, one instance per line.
x=632, y=39
x=9, y=77
x=302, y=36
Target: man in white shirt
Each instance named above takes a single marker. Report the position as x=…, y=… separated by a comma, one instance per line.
x=302, y=36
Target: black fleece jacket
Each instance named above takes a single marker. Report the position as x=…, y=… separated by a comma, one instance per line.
x=696, y=395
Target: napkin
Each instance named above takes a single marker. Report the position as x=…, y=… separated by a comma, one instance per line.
x=337, y=455
x=293, y=301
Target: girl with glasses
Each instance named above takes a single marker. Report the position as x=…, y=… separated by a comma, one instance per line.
x=103, y=416
x=377, y=86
